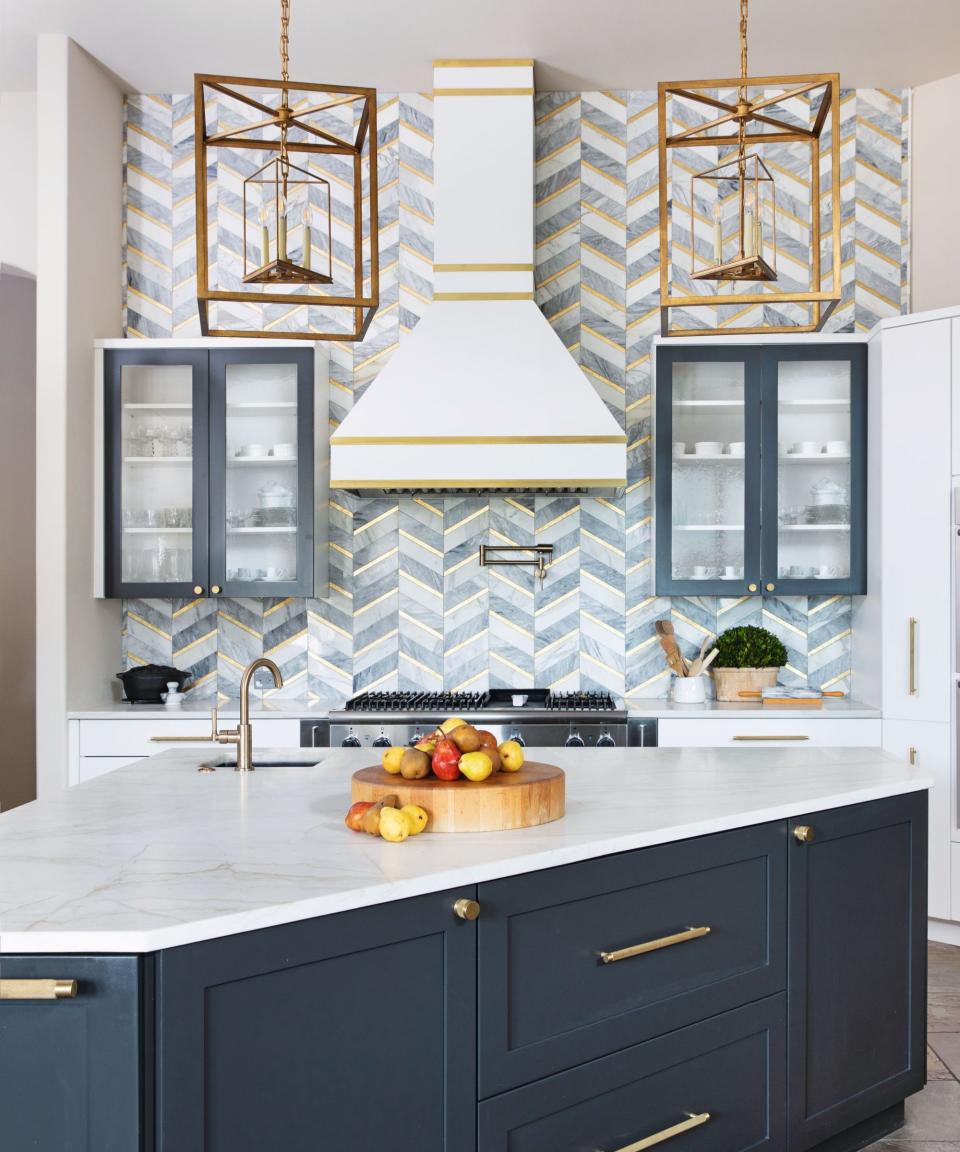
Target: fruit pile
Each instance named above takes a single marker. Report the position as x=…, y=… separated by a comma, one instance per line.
x=384, y=818
x=455, y=749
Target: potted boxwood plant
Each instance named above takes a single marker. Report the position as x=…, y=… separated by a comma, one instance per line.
x=748, y=659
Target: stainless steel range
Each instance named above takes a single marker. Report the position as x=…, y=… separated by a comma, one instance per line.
x=534, y=716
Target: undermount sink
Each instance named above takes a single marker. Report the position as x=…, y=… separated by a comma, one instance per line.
x=265, y=762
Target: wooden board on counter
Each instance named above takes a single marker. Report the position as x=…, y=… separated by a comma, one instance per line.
x=534, y=795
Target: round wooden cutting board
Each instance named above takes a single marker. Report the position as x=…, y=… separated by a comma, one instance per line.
x=534, y=795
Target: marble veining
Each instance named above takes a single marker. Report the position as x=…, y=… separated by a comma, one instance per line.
x=156, y=854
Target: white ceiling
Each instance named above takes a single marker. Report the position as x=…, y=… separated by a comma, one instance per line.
x=157, y=45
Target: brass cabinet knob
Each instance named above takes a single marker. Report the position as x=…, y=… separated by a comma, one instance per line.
x=466, y=909
x=751, y=587
x=770, y=587
x=804, y=834
x=198, y=589
x=215, y=589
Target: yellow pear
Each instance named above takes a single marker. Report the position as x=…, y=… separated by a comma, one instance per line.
x=511, y=756
x=449, y=725
x=417, y=816
x=394, y=825
x=476, y=765
x=391, y=759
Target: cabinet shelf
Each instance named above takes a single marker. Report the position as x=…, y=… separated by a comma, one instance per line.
x=708, y=527
x=285, y=529
x=157, y=531
x=814, y=458
x=263, y=406
x=248, y=461
x=814, y=527
x=140, y=461
x=693, y=458
x=814, y=405
x=158, y=407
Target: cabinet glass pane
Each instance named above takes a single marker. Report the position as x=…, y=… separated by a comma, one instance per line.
x=156, y=488
x=708, y=471
x=813, y=485
x=262, y=470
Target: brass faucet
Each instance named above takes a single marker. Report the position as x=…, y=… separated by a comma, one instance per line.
x=242, y=735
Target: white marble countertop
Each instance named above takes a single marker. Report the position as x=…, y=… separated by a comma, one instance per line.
x=158, y=854
x=191, y=709
x=833, y=709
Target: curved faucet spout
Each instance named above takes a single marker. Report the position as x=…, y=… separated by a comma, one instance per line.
x=247, y=679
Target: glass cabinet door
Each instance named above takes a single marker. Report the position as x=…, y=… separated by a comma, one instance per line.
x=814, y=469
x=708, y=471
x=261, y=488
x=156, y=483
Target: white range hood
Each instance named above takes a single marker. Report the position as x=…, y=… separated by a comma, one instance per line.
x=482, y=395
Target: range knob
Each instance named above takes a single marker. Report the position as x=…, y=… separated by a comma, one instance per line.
x=605, y=740
x=382, y=741
x=517, y=739
x=574, y=740
x=351, y=741
x=414, y=740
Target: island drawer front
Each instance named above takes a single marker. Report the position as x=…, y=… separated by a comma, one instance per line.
x=547, y=999
x=134, y=738
x=721, y=1081
x=70, y=1065
x=758, y=731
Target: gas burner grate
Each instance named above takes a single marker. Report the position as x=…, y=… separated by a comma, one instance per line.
x=581, y=702
x=451, y=702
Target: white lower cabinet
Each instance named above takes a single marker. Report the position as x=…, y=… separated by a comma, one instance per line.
x=758, y=731
x=928, y=746
x=99, y=746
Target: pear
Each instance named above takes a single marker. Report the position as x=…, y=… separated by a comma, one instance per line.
x=394, y=825
x=370, y=820
x=466, y=738
x=415, y=764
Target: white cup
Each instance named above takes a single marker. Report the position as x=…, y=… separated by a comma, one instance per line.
x=806, y=448
x=689, y=690
x=736, y=448
x=700, y=571
x=837, y=448
x=733, y=572
x=679, y=448
x=283, y=451
x=708, y=448
x=252, y=450
x=276, y=573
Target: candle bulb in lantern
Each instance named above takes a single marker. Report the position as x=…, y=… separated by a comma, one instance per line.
x=749, y=236
x=307, y=242
x=717, y=234
x=264, y=237
x=759, y=227
x=282, y=228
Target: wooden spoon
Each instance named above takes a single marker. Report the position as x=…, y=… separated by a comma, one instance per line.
x=697, y=666
x=668, y=642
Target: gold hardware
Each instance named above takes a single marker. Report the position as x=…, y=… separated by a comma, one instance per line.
x=466, y=909
x=215, y=589
x=804, y=834
x=38, y=989
x=211, y=739
x=694, y=1120
x=653, y=945
x=751, y=737
x=770, y=587
x=242, y=735
x=751, y=587
x=912, y=752
x=198, y=589
x=912, y=658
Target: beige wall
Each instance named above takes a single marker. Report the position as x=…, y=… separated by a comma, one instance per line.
x=935, y=241
x=18, y=191
x=18, y=314
x=80, y=120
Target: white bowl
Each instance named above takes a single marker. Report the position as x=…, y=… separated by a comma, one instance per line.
x=837, y=448
x=736, y=448
x=708, y=448
x=283, y=451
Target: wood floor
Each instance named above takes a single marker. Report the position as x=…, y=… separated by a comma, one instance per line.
x=933, y=1115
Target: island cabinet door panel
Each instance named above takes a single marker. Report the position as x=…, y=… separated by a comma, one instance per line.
x=70, y=1067
x=714, y=1087
x=857, y=964
x=353, y=1031
x=562, y=980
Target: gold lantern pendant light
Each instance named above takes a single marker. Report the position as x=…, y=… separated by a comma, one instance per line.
x=743, y=184
x=288, y=202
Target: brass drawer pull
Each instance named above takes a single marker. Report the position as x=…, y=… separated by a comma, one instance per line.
x=693, y=1120
x=653, y=945
x=771, y=737
x=38, y=989
x=912, y=658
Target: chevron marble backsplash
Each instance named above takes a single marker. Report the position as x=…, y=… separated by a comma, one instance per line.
x=408, y=605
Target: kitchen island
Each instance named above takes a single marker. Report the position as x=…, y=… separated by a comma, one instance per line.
x=730, y=941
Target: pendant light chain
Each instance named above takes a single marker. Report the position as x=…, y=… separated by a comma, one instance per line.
x=285, y=40
x=742, y=93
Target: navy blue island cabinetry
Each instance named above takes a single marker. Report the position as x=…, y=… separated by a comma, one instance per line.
x=759, y=988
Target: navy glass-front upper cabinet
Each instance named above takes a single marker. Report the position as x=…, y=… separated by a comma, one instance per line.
x=210, y=471
x=761, y=469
